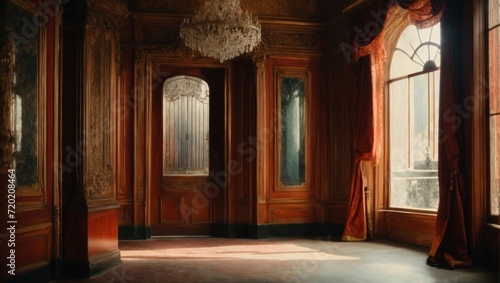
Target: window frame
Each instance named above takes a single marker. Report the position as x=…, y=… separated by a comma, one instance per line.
x=491, y=218
x=396, y=35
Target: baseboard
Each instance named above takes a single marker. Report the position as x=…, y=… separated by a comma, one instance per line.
x=295, y=230
x=85, y=268
x=492, y=260
x=334, y=231
x=36, y=275
x=57, y=269
x=134, y=232
x=258, y=231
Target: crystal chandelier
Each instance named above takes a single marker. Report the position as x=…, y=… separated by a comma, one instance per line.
x=220, y=29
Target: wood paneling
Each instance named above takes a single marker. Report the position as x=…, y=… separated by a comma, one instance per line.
x=33, y=247
x=125, y=213
x=91, y=66
x=201, y=210
x=417, y=229
x=242, y=143
x=34, y=205
x=334, y=212
x=492, y=245
x=124, y=108
x=171, y=208
x=293, y=213
x=89, y=234
x=102, y=240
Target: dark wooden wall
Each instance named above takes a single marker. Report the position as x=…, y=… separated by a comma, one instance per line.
x=33, y=208
x=251, y=205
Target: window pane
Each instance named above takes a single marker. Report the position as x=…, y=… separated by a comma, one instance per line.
x=292, y=132
x=413, y=113
x=416, y=49
x=399, y=125
x=494, y=12
x=413, y=141
x=185, y=126
x=419, y=131
x=495, y=164
x=494, y=87
x=435, y=117
x=399, y=141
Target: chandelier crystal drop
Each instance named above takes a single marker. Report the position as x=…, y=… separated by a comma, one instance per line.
x=220, y=29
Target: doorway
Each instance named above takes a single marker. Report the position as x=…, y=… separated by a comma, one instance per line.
x=187, y=148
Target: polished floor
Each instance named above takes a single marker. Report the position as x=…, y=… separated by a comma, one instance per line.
x=219, y=260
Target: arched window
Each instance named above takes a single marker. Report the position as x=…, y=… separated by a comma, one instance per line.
x=413, y=101
x=185, y=126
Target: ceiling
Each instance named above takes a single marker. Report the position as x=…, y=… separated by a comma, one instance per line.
x=306, y=10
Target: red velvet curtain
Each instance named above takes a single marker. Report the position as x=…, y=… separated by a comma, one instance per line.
x=370, y=48
x=369, y=24
x=449, y=246
x=365, y=141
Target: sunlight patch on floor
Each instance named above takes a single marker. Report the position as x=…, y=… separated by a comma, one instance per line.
x=256, y=252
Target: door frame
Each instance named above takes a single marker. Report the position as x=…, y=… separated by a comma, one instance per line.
x=154, y=79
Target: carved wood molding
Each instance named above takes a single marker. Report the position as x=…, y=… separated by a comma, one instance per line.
x=57, y=232
x=140, y=190
x=98, y=178
x=176, y=49
x=259, y=54
x=97, y=23
x=183, y=185
x=102, y=64
x=295, y=40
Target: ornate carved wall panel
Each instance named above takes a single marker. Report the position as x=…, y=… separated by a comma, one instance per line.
x=102, y=62
x=292, y=39
x=99, y=175
x=91, y=64
x=281, y=39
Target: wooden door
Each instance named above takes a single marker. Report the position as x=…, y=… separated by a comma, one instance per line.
x=187, y=146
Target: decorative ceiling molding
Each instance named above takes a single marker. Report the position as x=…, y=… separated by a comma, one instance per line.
x=295, y=9
x=281, y=8
x=308, y=10
x=300, y=40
